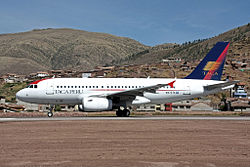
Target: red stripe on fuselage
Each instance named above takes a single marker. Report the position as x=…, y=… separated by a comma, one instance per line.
x=127, y=89
x=36, y=82
x=108, y=89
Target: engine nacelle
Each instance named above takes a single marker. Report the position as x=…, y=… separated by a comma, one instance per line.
x=95, y=104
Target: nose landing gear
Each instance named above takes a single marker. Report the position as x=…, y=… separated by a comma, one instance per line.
x=51, y=110
x=50, y=114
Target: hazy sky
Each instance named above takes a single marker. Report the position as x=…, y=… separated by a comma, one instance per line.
x=150, y=22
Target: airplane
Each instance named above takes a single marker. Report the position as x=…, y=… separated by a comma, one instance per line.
x=100, y=94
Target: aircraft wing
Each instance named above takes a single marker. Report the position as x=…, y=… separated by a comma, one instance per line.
x=139, y=91
x=220, y=85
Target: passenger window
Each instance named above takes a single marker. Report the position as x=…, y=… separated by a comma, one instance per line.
x=132, y=86
x=72, y=86
x=31, y=86
x=35, y=86
x=65, y=86
x=107, y=86
x=57, y=86
x=125, y=86
x=96, y=86
x=93, y=86
x=61, y=86
x=75, y=86
x=111, y=86
x=89, y=86
x=79, y=86
x=118, y=86
x=68, y=86
x=102, y=87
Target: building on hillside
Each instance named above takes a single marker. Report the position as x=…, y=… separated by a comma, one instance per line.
x=42, y=107
x=2, y=100
x=172, y=59
x=32, y=75
x=33, y=107
x=86, y=75
x=67, y=108
x=186, y=105
x=238, y=104
x=150, y=107
x=42, y=74
x=193, y=105
x=13, y=78
x=239, y=90
x=56, y=73
x=106, y=68
x=185, y=66
x=239, y=101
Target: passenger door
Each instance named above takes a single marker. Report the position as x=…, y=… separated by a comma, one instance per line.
x=50, y=89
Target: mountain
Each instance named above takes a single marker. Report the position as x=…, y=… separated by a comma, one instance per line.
x=239, y=39
x=47, y=49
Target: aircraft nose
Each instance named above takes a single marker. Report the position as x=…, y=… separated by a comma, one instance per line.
x=20, y=94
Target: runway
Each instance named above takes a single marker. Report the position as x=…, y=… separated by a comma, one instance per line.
x=138, y=141
x=125, y=118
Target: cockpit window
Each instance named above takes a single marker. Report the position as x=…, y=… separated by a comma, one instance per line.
x=31, y=86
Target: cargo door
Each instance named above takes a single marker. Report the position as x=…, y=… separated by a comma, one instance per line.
x=187, y=90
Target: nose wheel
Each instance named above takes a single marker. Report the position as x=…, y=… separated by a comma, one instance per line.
x=50, y=114
x=51, y=110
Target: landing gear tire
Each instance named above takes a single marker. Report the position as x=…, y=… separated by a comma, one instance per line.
x=51, y=110
x=126, y=113
x=123, y=113
x=50, y=114
x=119, y=113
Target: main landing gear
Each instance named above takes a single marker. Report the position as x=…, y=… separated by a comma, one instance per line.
x=123, y=112
x=51, y=110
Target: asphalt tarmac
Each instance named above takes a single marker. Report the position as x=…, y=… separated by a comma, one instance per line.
x=137, y=141
x=126, y=118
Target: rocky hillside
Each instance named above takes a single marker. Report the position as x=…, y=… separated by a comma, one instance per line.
x=238, y=37
x=42, y=50
x=46, y=49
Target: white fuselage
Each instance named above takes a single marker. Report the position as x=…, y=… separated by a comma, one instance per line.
x=73, y=90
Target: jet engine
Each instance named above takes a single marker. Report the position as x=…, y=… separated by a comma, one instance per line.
x=95, y=104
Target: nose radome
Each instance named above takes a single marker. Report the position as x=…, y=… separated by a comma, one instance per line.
x=20, y=95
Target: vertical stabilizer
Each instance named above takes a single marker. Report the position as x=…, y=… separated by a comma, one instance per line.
x=211, y=67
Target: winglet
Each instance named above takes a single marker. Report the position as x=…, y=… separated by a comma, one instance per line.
x=171, y=84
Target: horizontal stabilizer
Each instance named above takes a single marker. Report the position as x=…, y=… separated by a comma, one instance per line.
x=220, y=85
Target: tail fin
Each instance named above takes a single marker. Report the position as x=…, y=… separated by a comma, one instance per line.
x=211, y=67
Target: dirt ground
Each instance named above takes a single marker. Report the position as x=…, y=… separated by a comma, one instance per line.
x=133, y=143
